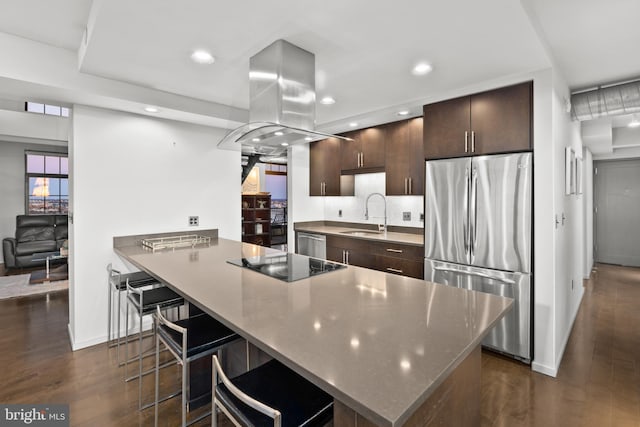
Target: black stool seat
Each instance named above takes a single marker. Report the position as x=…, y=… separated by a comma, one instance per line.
x=299, y=401
x=158, y=297
x=137, y=279
x=203, y=334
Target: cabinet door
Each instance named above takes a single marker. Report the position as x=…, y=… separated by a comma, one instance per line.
x=372, y=147
x=324, y=169
x=398, y=162
x=445, y=124
x=501, y=119
x=416, y=156
x=316, y=168
x=335, y=254
x=350, y=151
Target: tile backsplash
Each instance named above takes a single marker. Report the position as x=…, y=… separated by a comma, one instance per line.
x=353, y=207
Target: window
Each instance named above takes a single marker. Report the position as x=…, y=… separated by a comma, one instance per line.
x=47, y=183
x=50, y=110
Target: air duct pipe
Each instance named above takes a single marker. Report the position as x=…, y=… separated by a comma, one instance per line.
x=611, y=100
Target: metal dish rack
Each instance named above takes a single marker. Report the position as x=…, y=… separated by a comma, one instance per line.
x=172, y=242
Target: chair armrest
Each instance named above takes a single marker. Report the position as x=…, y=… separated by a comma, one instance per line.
x=9, y=252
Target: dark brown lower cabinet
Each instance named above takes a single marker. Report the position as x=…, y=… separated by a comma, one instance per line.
x=396, y=258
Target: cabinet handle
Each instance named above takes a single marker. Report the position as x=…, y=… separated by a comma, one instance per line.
x=466, y=141
x=347, y=252
x=397, y=251
x=473, y=142
x=394, y=270
x=410, y=185
x=405, y=185
x=344, y=258
x=361, y=159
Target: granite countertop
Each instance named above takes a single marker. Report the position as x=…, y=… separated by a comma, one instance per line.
x=379, y=343
x=319, y=227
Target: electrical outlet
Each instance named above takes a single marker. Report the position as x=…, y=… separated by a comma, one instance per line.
x=571, y=284
x=340, y=213
x=406, y=216
x=194, y=221
x=421, y=217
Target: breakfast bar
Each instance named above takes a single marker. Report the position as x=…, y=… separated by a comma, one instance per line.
x=391, y=350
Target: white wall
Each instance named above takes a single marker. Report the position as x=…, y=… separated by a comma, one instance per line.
x=353, y=207
x=133, y=174
x=568, y=289
x=12, y=183
x=34, y=127
x=587, y=206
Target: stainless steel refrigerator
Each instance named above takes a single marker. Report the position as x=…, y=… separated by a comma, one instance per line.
x=478, y=236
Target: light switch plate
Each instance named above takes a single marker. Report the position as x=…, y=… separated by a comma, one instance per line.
x=194, y=221
x=406, y=216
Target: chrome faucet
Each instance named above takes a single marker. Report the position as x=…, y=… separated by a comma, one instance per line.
x=366, y=209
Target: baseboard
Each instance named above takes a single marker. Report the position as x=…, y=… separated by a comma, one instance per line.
x=544, y=369
x=570, y=328
x=101, y=339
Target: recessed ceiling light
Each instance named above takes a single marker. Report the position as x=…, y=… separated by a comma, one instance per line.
x=284, y=144
x=403, y=113
x=353, y=124
x=308, y=138
x=278, y=133
x=256, y=139
x=202, y=57
x=327, y=100
x=151, y=109
x=421, y=69
x=634, y=123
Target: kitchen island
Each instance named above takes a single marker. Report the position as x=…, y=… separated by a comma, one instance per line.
x=391, y=350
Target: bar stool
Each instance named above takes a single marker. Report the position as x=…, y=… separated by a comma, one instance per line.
x=270, y=394
x=188, y=340
x=117, y=284
x=146, y=302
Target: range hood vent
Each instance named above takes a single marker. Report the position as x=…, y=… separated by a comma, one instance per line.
x=611, y=100
x=282, y=105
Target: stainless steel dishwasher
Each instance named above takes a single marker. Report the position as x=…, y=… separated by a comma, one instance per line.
x=314, y=245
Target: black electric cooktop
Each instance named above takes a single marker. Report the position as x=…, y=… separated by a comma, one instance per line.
x=287, y=267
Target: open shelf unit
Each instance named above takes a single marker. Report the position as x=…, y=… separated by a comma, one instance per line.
x=256, y=219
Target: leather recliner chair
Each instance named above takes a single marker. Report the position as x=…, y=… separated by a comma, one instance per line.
x=34, y=234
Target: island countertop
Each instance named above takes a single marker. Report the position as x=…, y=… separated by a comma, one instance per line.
x=377, y=342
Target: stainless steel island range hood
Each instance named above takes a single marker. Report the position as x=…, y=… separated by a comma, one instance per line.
x=282, y=105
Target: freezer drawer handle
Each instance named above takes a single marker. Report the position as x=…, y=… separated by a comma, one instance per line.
x=394, y=270
x=469, y=273
x=398, y=251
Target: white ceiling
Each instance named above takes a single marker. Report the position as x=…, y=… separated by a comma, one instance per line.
x=138, y=51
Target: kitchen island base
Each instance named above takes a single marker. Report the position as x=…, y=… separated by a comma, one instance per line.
x=455, y=402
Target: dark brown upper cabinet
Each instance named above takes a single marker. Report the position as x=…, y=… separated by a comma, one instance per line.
x=404, y=158
x=324, y=170
x=496, y=121
x=365, y=153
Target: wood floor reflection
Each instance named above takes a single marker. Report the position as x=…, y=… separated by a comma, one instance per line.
x=598, y=383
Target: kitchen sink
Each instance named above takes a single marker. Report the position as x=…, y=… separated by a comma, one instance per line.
x=360, y=232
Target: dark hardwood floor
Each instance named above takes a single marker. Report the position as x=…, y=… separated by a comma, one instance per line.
x=598, y=383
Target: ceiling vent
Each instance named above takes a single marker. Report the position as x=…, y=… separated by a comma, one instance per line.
x=611, y=100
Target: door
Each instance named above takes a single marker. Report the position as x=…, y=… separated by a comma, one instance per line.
x=446, y=128
x=446, y=230
x=512, y=334
x=501, y=119
x=500, y=212
x=617, y=200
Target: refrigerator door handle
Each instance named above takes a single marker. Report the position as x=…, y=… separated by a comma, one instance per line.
x=465, y=224
x=473, y=215
x=473, y=273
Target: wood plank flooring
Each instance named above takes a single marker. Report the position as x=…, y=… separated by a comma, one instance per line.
x=598, y=383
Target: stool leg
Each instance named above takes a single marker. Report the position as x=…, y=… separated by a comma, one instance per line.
x=184, y=391
x=140, y=359
x=126, y=342
x=118, y=292
x=109, y=314
x=157, y=376
x=214, y=383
